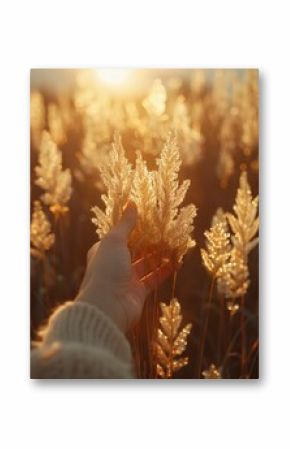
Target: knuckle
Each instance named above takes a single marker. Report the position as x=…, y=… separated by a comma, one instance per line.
x=92, y=250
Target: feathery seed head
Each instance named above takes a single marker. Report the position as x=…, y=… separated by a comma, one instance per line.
x=234, y=280
x=162, y=225
x=244, y=223
x=55, y=124
x=50, y=176
x=171, y=342
x=41, y=236
x=217, y=254
x=117, y=176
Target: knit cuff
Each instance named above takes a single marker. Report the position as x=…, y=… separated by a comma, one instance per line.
x=86, y=324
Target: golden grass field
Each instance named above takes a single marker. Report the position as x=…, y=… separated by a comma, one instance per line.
x=183, y=144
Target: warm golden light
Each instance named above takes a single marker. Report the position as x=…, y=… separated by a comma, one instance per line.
x=181, y=146
x=113, y=77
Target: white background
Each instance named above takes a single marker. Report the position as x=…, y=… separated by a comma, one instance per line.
x=240, y=414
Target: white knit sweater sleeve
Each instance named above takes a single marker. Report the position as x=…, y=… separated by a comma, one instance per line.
x=80, y=342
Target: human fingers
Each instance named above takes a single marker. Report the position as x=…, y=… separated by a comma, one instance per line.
x=93, y=249
x=127, y=221
x=156, y=277
x=145, y=264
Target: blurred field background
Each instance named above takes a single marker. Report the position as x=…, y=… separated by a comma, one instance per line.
x=214, y=114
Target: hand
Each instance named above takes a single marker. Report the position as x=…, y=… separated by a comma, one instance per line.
x=115, y=285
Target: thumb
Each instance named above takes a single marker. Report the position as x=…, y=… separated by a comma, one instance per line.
x=128, y=220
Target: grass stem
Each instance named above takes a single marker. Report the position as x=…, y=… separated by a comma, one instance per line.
x=204, y=328
x=243, y=339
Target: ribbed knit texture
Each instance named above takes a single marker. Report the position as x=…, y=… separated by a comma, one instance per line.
x=79, y=341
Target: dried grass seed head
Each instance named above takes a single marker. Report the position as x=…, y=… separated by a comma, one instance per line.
x=41, y=236
x=217, y=252
x=171, y=341
x=245, y=223
x=162, y=225
x=55, y=181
